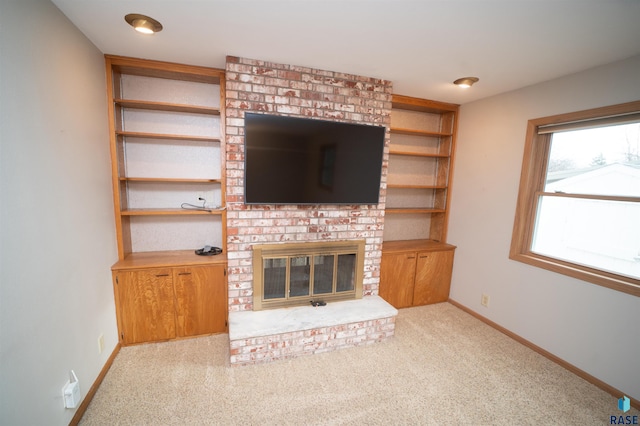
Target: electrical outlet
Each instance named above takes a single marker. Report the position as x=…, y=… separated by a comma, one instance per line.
x=204, y=202
x=484, y=301
x=100, y=343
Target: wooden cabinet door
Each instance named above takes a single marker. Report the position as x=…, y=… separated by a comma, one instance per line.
x=146, y=305
x=201, y=300
x=433, y=277
x=397, y=273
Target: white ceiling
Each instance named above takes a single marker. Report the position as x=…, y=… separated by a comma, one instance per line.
x=420, y=45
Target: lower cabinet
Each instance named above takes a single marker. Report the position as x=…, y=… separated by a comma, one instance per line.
x=414, y=273
x=167, y=303
x=201, y=300
x=397, y=275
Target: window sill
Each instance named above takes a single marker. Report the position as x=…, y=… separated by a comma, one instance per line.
x=594, y=276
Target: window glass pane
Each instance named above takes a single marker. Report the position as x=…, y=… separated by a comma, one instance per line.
x=323, y=274
x=601, y=161
x=596, y=233
x=346, y=279
x=275, y=276
x=299, y=274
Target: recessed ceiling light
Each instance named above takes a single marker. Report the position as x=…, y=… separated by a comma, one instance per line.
x=466, y=82
x=143, y=23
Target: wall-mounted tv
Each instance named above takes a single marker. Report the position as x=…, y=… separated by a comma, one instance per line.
x=290, y=160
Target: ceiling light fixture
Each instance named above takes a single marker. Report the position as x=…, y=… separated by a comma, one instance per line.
x=466, y=82
x=143, y=24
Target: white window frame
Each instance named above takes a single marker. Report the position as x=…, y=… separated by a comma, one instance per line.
x=532, y=184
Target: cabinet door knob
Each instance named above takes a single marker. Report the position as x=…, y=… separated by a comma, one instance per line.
x=411, y=257
x=184, y=273
x=162, y=275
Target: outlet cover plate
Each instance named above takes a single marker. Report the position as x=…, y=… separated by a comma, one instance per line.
x=484, y=301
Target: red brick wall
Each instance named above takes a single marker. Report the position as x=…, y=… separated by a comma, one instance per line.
x=264, y=349
x=259, y=86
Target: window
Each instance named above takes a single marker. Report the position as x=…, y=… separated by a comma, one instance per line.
x=578, y=210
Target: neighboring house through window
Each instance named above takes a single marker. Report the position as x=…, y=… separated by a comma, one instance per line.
x=578, y=209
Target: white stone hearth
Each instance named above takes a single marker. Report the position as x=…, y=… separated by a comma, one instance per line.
x=276, y=334
x=250, y=324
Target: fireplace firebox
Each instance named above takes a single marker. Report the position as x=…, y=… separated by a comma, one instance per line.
x=295, y=274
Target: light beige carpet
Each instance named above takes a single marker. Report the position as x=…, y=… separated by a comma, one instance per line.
x=442, y=367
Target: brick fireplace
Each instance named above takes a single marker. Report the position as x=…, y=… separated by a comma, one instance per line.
x=266, y=87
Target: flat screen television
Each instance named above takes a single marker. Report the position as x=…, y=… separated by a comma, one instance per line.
x=290, y=160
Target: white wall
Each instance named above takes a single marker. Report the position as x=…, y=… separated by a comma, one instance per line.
x=57, y=226
x=594, y=328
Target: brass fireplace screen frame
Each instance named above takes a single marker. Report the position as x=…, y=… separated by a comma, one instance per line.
x=347, y=270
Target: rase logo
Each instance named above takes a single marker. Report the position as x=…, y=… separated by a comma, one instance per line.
x=624, y=405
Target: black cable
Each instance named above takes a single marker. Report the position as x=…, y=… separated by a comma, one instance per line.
x=194, y=207
x=188, y=206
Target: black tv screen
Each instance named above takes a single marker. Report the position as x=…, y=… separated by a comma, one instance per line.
x=292, y=160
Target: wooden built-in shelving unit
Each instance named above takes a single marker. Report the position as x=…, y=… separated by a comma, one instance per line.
x=152, y=154
x=416, y=261
x=420, y=165
x=167, y=151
